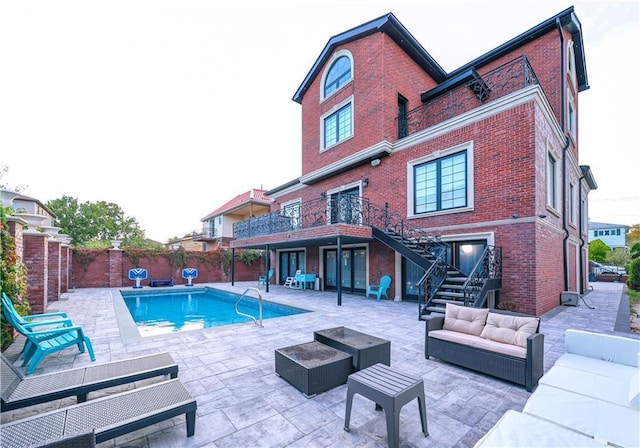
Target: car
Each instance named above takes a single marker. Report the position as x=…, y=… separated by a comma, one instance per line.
x=616, y=270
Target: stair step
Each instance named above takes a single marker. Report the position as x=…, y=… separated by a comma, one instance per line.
x=445, y=301
x=450, y=294
x=450, y=286
x=456, y=279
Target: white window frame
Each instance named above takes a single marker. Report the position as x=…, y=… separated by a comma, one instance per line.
x=571, y=63
x=337, y=55
x=552, y=184
x=468, y=147
x=572, y=203
x=572, y=117
x=329, y=113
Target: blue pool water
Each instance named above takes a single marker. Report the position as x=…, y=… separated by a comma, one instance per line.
x=161, y=312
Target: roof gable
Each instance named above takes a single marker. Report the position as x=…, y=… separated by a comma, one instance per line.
x=390, y=25
x=255, y=196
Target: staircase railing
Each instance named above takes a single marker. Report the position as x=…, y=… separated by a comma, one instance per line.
x=489, y=267
x=436, y=273
x=434, y=277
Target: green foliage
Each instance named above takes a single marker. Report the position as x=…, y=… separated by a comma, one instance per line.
x=89, y=222
x=633, y=281
x=249, y=256
x=13, y=277
x=598, y=251
x=633, y=235
x=635, y=251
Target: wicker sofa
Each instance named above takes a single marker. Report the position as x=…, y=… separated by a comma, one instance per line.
x=503, y=344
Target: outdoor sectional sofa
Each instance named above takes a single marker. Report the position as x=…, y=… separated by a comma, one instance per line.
x=503, y=344
x=590, y=397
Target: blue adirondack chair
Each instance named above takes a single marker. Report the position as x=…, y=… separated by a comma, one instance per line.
x=264, y=279
x=35, y=320
x=45, y=342
x=381, y=289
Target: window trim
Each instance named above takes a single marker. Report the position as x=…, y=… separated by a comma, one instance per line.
x=571, y=63
x=331, y=112
x=337, y=55
x=572, y=117
x=468, y=147
x=552, y=199
x=573, y=204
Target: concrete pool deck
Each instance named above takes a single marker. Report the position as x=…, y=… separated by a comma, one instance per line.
x=242, y=403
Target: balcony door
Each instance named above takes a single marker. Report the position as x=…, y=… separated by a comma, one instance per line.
x=353, y=269
x=345, y=207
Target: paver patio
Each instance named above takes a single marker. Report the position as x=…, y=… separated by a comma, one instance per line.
x=242, y=403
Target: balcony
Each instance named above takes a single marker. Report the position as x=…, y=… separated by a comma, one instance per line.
x=466, y=92
x=205, y=235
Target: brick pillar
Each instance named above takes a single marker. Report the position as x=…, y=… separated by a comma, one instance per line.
x=36, y=259
x=65, y=267
x=115, y=268
x=54, y=273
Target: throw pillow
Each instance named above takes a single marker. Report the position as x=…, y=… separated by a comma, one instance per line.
x=509, y=329
x=465, y=319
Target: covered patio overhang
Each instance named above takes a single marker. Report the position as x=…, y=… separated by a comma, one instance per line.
x=329, y=235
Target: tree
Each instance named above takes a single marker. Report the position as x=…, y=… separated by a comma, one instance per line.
x=90, y=223
x=598, y=250
x=633, y=235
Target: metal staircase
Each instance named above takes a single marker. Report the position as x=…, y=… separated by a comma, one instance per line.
x=441, y=283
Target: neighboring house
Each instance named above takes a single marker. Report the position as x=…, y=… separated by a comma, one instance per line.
x=462, y=186
x=613, y=235
x=217, y=226
x=39, y=217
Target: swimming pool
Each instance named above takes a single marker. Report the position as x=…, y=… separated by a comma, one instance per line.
x=162, y=312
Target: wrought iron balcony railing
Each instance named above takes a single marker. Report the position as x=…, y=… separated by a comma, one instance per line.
x=501, y=81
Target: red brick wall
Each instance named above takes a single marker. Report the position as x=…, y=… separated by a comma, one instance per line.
x=110, y=268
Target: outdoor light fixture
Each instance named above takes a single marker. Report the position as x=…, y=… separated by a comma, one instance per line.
x=365, y=182
x=542, y=216
x=515, y=216
x=375, y=162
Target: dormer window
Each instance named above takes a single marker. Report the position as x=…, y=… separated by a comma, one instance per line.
x=339, y=74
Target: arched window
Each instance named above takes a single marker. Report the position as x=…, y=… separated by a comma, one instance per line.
x=339, y=74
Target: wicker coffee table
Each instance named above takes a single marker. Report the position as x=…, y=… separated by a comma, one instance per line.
x=366, y=350
x=313, y=367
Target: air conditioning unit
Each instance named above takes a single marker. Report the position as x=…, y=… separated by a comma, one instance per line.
x=569, y=298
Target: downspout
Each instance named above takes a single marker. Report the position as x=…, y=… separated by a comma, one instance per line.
x=565, y=239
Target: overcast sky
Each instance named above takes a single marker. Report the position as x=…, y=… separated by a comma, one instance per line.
x=169, y=108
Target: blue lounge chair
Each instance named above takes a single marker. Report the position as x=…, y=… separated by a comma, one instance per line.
x=381, y=289
x=263, y=279
x=45, y=342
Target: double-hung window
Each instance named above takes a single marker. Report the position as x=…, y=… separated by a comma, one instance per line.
x=338, y=126
x=441, y=184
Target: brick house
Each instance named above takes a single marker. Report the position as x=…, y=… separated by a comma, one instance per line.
x=462, y=186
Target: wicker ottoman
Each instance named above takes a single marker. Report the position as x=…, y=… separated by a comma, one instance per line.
x=313, y=367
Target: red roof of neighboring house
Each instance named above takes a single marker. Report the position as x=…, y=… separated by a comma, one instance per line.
x=254, y=196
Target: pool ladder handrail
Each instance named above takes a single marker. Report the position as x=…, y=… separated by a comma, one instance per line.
x=244, y=294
